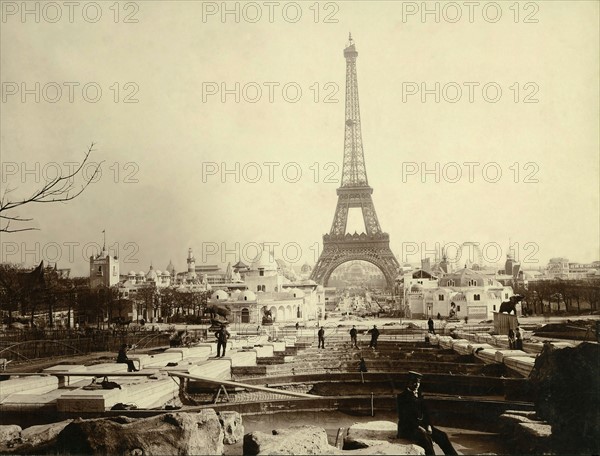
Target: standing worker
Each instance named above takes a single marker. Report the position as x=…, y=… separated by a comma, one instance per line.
x=222, y=335
x=354, y=337
x=321, y=335
x=374, y=337
x=430, y=326
x=511, y=339
x=518, y=338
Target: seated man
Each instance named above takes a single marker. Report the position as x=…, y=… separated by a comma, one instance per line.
x=122, y=358
x=413, y=420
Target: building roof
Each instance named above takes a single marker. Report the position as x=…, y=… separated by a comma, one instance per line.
x=240, y=265
x=422, y=274
x=264, y=260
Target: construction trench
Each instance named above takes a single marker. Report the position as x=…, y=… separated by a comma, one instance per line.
x=475, y=386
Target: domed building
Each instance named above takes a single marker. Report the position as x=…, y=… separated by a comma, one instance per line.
x=140, y=288
x=466, y=292
x=306, y=270
x=264, y=273
x=219, y=295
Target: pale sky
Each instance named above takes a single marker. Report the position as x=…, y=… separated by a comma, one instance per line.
x=154, y=201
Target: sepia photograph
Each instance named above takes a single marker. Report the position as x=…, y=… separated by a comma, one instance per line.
x=299, y=227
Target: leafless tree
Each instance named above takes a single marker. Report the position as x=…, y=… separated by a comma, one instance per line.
x=62, y=188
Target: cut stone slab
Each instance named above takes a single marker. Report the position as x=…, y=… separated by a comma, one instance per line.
x=108, y=368
x=31, y=384
x=162, y=359
x=278, y=346
x=461, y=347
x=242, y=358
x=474, y=346
x=388, y=448
x=144, y=393
x=521, y=364
x=537, y=429
x=266, y=351
x=501, y=354
x=381, y=434
x=292, y=441
x=487, y=355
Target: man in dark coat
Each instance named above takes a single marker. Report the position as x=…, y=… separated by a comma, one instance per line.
x=430, y=326
x=374, y=336
x=122, y=358
x=413, y=419
x=354, y=337
x=321, y=335
x=222, y=335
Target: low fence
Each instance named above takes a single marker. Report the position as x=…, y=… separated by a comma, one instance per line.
x=37, y=344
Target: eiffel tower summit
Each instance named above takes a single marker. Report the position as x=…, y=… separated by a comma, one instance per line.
x=373, y=245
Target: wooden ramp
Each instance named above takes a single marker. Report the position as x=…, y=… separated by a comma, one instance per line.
x=243, y=385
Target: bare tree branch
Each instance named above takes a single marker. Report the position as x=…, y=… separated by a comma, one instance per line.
x=60, y=189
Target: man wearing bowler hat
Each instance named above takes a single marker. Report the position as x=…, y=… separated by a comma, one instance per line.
x=413, y=419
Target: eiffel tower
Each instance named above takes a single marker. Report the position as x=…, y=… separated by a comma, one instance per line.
x=354, y=192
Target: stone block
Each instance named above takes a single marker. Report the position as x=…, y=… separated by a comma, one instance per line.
x=31, y=384
x=108, y=368
x=501, y=354
x=162, y=359
x=265, y=351
x=291, y=441
x=9, y=432
x=364, y=435
x=242, y=358
x=474, y=346
x=487, y=355
x=387, y=448
x=81, y=401
x=200, y=351
x=521, y=364
x=233, y=429
x=461, y=347
x=278, y=346
x=183, y=351
x=39, y=439
x=171, y=433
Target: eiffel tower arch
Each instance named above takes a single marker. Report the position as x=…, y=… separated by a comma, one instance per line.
x=340, y=247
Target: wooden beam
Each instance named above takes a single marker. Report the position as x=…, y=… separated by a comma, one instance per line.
x=80, y=374
x=243, y=385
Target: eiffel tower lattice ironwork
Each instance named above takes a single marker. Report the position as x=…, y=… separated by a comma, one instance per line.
x=354, y=192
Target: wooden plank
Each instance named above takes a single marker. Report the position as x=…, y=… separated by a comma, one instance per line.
x=243, y=385
x=82, y=374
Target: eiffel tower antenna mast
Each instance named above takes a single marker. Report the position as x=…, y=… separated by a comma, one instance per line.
x=354, y=192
